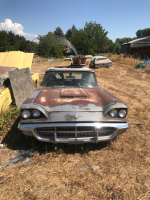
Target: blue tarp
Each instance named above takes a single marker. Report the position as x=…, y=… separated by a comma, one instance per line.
x=143, y=64
x=146, y=63
x=71, y=56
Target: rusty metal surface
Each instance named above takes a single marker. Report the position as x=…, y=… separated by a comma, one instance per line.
x=72, y=99
x=21, y=83
x=79, y=60
x=83, y=60
x=4, y=70
x=68, y=92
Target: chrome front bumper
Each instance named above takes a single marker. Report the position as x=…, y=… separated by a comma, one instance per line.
x=74, y=133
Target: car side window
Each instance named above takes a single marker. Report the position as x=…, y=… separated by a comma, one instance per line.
x=92, y=78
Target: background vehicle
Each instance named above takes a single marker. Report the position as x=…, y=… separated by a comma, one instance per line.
x=79, y=60
x=68, y=59
x=100, y=61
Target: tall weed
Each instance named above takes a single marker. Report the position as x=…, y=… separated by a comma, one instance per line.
x=8, y=117
x=125, y=59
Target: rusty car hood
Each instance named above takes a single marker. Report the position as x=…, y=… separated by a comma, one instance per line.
x=72, y=99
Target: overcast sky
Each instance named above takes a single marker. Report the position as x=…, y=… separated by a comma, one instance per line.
x=30, y=18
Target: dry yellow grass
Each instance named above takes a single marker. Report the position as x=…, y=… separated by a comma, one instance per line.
x=39, y=59
x=128, y=60
x=88, y=63
x=119, y=169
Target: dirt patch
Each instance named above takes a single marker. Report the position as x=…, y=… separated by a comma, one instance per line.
x=119, y=169
x=42, y=66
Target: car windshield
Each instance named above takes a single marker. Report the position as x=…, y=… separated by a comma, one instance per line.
x=69, y=79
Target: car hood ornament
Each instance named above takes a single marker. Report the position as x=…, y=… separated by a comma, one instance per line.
x=76, y=116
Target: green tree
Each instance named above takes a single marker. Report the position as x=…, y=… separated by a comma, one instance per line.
x=77, y=40
x=46, y=43
x=117, y=48
x=124, y=40
x=73, y=29
x=11, y=42
x=29, y=46
x=3, y=41
x=143, y=33
x=109, y=46
x=56, y=51
x=51, y=45
x=68, y=34
x=58, y=31
x=23, y=45
x=91, y=39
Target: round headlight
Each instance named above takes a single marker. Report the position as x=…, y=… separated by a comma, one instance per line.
x=122, y=113
x=26, y=114
x=35, y=113
x=113, y=113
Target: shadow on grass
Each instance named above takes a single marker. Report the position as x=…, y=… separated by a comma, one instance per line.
x=16, y=140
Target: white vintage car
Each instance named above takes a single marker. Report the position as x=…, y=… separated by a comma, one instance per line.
x=100, y=61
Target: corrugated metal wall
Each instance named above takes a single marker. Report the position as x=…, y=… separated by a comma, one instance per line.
x=126, y=48
x=141, y=51
x=139, y=47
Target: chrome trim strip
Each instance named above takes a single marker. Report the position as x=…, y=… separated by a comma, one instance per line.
x=116, y=105
x=34, y=106
x=117, y=126
x=95, y=124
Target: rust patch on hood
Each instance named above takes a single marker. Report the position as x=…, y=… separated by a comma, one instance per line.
x=69, y=92
x=57, y=99
x=5, y=70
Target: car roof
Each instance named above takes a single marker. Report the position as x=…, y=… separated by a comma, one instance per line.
x=83, y=69
x=98, y=56
x=95, y=57
x=101, y=57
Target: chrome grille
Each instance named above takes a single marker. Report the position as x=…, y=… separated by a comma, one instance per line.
x=46, y=132
x=72, y=132
x=105, y=131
